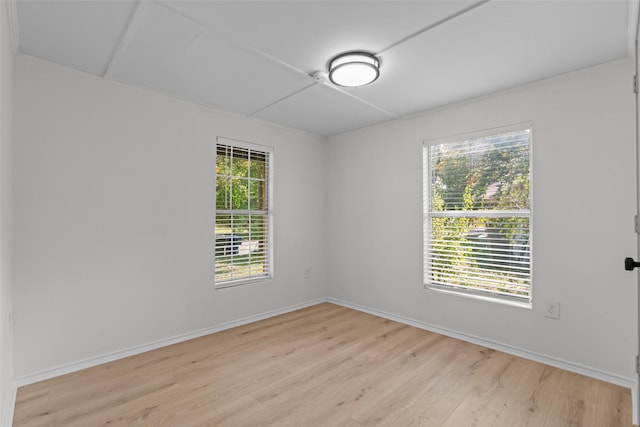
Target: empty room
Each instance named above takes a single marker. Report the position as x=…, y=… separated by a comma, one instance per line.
x=319, y=213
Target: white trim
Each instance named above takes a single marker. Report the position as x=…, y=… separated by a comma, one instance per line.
x=244, y=144
x=634, y=6
x=271, y=104
x=110, y=357
x=230, y=37
x=239, y=282
x=491, y=298
x=268, y=213
x=634, y=404
x=361, y=100
x=8, y=406
x=506, y=348
x=125, y=39
x=12, y=12
x=430, y=27
x=428, y=213
x=634, y=11
x=483, y=133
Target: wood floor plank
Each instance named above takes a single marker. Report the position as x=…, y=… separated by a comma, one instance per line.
x=36, y=405
x=612, y=409
x=528, y=403
x=482, y=405
x=575, y=401
x=385, y=356
x=349, y=422
x=395, y=385
x=430, y=397
x=324, y=365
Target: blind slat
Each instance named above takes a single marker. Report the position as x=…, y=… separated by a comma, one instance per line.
x=477, y=214
x=243, y=217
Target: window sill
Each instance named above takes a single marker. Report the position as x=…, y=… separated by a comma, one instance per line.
x=241, y=282
x=487, y=298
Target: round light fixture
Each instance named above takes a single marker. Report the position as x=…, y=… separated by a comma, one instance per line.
x=353, y=69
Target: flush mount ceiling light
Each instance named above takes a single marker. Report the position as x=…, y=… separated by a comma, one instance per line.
x=353, y=69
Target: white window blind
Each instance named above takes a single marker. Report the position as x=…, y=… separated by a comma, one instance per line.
x=243, y=212
x=477, y=215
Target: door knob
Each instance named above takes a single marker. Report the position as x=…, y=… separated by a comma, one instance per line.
x=630, y=264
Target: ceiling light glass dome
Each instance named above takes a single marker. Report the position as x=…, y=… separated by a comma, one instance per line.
x=353, y=69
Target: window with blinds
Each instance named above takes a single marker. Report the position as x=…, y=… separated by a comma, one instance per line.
x=243, y=213
x=477, y=214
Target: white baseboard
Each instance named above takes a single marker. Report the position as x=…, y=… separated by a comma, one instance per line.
x=506, y=348
x=110, y=357
x=8, y=406
x=635, y=411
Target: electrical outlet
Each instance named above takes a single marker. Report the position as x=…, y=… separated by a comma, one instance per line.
x=552, y=309
x=307, y=273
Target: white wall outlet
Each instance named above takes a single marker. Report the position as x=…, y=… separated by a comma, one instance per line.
x=552, y=309
x=307, y=273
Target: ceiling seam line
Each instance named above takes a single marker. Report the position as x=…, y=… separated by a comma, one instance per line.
x=169, y=9
x=125, y=39
x=14, y=30
x=367, y=103
x=282, y=99
x=435, y=24
x=233, y=40
x=273, y=59
x=634, y=18
x=202, y=29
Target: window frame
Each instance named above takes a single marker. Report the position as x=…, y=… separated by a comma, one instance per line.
x=485, y=295
x=269, y=152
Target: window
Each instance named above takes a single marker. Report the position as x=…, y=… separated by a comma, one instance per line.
x=243, y=212
x=477, y=214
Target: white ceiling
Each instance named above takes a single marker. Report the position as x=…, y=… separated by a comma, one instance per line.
x=256, y=58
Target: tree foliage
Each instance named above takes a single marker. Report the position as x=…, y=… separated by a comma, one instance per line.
x=241, y=185
x=495, y=179
x=480, y=176
x=241, y=203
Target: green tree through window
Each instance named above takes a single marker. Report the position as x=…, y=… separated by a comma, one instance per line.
x=477, y=215
x=242, y=223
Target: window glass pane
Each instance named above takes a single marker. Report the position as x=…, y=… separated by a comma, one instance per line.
x=258, y=165
x=242, y=239
x=223, y=161
x=240, y=245
x=484, y=173
x=239, y=193
x=222, y=192
x=491, y=254
x=477, y=227
x=257, y=198
x=240, y=163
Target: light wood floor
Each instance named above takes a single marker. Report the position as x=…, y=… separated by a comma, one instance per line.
x=323, y=366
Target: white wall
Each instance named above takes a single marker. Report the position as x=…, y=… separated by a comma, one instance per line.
x=114, y=206
x=6, y=122
x=584, y=204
